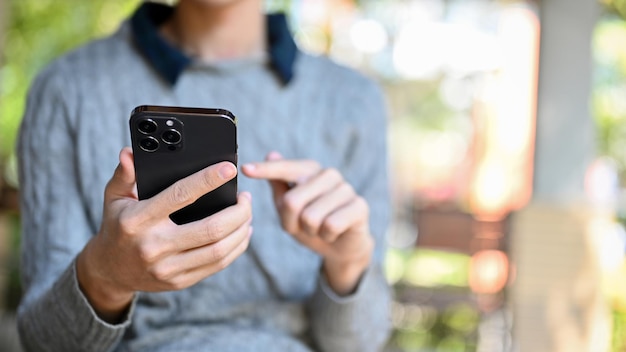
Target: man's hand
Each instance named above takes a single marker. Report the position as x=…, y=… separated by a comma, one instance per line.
x=323, y=212
x=139, y=248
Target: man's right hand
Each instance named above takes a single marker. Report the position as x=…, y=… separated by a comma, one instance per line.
x=139, y=248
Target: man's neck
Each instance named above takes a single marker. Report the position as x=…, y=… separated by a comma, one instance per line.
x=217, y=32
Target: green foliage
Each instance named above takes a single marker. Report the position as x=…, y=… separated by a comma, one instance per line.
x=278, y=5
x=442, y=324
x=608, y=103
x=37, y=32
x=428, y=328
x=618, y=342
x=615, y=6
x=431, y=268
x=609, y=112
x=420, y=103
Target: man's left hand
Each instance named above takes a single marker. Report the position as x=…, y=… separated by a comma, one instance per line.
x=323, y=212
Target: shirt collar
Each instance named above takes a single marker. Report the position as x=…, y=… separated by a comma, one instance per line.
x=170, y=62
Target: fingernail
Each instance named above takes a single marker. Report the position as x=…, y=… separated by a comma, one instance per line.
x=251, y=229
x=227, y=171
x=274, y=155
x=247, y=195
x=250, y=167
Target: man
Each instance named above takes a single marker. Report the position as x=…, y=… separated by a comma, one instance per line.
x=114, y=273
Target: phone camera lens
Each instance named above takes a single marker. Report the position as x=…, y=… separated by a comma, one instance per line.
x=171, y=137
x=149, y=144
x=147, y=126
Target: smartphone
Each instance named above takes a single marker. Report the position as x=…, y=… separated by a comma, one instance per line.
x=170, y=143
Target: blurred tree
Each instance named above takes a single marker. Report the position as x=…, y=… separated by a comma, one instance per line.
x=615, y=6
x=32, y=33
x=278, y=5
x=609, y=111
x=36, y=32
x=608, y=104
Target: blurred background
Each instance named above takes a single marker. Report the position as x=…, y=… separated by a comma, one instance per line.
x=508, y=157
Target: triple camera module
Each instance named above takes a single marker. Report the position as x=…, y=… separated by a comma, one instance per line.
x=160, y=133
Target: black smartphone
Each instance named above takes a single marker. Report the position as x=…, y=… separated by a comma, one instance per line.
x=170, y=143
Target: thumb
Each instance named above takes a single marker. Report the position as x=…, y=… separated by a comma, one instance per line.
x=122, y=184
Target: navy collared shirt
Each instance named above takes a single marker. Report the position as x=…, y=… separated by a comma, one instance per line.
x=170, y=62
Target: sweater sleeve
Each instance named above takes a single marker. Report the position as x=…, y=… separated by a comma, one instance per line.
x=54, y=315
x=361, y=322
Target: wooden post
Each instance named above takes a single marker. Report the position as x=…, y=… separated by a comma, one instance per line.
x=557, y=299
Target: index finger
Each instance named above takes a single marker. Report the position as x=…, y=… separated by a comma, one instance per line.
x=282, y=170
x=187, y=190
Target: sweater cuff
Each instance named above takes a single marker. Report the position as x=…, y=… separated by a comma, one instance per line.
x=340, y=310
x=325, y=288
x=358, y=322
x=75, y=308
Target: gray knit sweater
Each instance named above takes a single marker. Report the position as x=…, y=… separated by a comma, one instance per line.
x=272, y=298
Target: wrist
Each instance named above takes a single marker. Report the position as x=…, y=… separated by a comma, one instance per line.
x=108, y=301
x=343, y=276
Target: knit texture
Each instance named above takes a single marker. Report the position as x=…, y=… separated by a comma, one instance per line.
x=271, y=298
